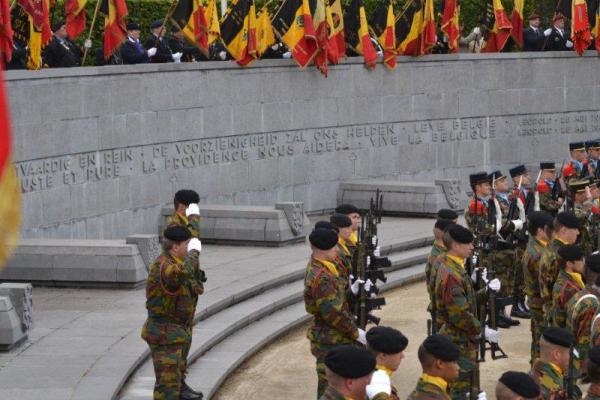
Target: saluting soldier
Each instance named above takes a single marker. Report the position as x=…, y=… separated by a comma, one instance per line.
x=387, y=345
x=438, y=356
x=456, y=303
x=187, y=211
x=568, y=282
x=539, y=226
x=593, y=373
x=566, y=230
x=170, y=292
x=576, y=168
x=545, y=188
x=514, y=385
x=325, y=299
x=550, y=369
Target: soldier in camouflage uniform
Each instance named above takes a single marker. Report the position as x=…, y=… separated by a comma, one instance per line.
x=539, y=223
x=349, y=370
x=545, y=189
x=577, y=167
x=437, y=249
x=582, y=207
x=438, y=356
x=593, y=373
x=456, y=304
x=170, y=292
x=354, y=213
x=476, y=212
x=514, y=385
x=187, y=213
x=568, y=283
x=325, y=299
x=344, y=225
x=387, y=345
x=549, y=370
x=566, y=229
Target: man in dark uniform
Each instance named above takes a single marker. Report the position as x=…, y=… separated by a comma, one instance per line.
x=514, y=385
x=164, y=54
x=19, y=56
x=533, y=37
x=61, y=52
x=576, y=168
x=593, y=151
x=179, y=44
x=546, y=191
x=132, y=50
x=558, y=40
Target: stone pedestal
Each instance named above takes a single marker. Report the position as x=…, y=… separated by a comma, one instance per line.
x=11, y=328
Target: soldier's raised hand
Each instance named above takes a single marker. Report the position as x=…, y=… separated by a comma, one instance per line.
x=192, y=209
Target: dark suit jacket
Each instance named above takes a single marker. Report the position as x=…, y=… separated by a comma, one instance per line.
x=533, y=40
x=163, y=51
x=62, y=55
x=556, y=41
x=131, y=55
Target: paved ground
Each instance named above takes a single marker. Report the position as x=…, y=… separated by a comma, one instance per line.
x=285, y=369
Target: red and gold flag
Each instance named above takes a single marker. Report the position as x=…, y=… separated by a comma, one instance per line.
x=429, y=28
x=580, y=26
x=115, y=32
x=189, y=16
x=6, y=32
x=10, y=200
x=40, y=33
x=409, y=29
x=500, y=32
x=382, y=24
x=264, y=32
x=450, y=24
x=238, y=30
x=336, y=46
x=293, y=24
x=76, y=18
x=322, y=35
x=516, y=19
x=212, y=19
x=356, y=30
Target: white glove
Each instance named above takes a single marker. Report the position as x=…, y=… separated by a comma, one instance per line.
x=569, y=44
x=192, y=209
x=377, y=252
x=87, y=44
x=547, y=32
x=494, y=284
x=356, y=286
x=177, y=56
x=483, y=275
x=477, y=30
x=491, y=335
x=275, y=47
x=223, y=55
x=368, y=285
x=482, y=396
x=194, y=244
x=518, y=224
x=287, y=54
x=151, y=52
x=362, y=336
x=380, y=383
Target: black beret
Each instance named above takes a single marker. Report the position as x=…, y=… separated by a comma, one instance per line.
x=592, y=144
x=460, y=234
x=446, y=213
x=442, y=224
x=340, y=220
x=592, y=262
x=576, y=146
x=323, y=239
x=558, y=336
x=594, y=355
x=326, y=225
x=521, y=383
x=496, y=176
x=177, y=233
x=578, y=185
x=156, y=24
x=133, y=26
x=350, y=362
x=571, y=252
x=441, y=347
x=187, y=197
x=386, y=340
x=539, y=219
x=518, y=170
x=478, y=177
x=568, y=219
x=346, y=209
x=547, y=165
x=56, y=25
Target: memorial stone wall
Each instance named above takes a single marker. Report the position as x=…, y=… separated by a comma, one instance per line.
x=100, y=151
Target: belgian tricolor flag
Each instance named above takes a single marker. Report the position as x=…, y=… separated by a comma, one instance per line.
x=580, y=26
x=356, y=30
x=501, y=27
x=37, y=31
x=450, y=24
x=336, y=46
x=516, y=19
x=115, y=32
x=409, y=28
x=293, y=24
x=382, y=24
x=238, y=31
x=6, y=33
x=76, y=19
x=322, y=35
x=190, y=17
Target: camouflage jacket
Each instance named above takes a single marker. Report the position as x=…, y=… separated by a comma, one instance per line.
x=593, y=392
x=564, y=289
x=548, y=275
x=548, y=377
x=345, y=255
x=325, y=299
x=332, y=394
x=581, y=310
x=428, y=391
x=192, y=224
x=456, y=302
x=531, y=271
x=476, y=214
x=430, y=266
x=547, y=203
x=582, y=212
x=170, y=299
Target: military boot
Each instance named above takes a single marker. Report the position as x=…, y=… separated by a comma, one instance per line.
x=187, y=393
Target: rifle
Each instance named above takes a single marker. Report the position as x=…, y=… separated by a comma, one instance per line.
x=557, y=189
x=569, y=380
x=530, y=200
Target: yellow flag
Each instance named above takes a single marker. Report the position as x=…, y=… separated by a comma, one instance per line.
x=264, y=32
x=212, y=19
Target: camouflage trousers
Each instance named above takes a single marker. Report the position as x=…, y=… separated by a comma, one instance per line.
x=466, y=364
x=537, y=321
x=167, y=360
x=184, y=355
x=508, y=271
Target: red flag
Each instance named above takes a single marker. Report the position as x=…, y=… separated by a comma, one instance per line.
x=429, y=28
x=500, y=32
x=76, y=19
x=388, y=39
x=516, y=18
x=10, y=200
x=6, y=32
x=336, y=45
x=295, y=31
x=115, y=32
x=190, y=17
x=450, y=25
x=40, y=33
x=580, y=27
x=322, y=31
x=238, y=31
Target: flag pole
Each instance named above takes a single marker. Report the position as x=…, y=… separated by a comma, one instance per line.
x=164, y=21
x=85, y=51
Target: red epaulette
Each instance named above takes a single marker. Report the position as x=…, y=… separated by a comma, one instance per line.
x=542, y=187
x=569, y=171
